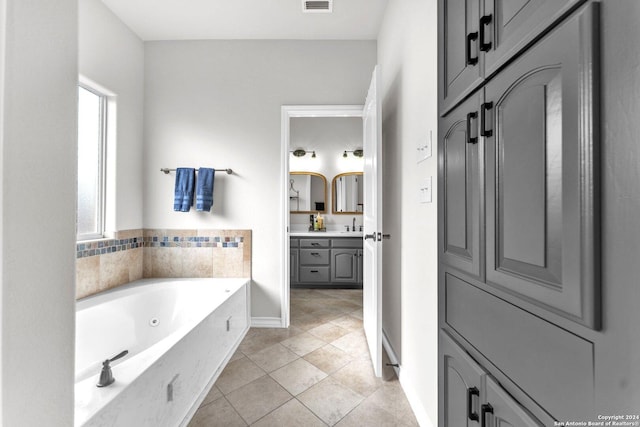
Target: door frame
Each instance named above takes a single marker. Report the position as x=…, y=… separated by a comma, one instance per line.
x=287, y=113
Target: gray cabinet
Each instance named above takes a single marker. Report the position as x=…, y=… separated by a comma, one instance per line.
x=360, y=275
x=518, y=221
x=344, y=265
x=502, y=411
x=294, y=265
x=481, y=36
x=541, y=146
x=461, y=179
x=471, y=397
x=461, y=386
x=326, y=262
x=459, y=62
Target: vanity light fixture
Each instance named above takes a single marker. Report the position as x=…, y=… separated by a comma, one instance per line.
x=357, y=153
x=301, y=153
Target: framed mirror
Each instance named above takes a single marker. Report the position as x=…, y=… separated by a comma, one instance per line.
x=307, y=192
x=348, y=194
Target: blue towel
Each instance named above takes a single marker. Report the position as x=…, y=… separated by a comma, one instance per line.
x=185, y=178
x=204, y=189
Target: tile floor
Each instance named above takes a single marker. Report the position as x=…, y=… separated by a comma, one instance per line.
x=316, y=373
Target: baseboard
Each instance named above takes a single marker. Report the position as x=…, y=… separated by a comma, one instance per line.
x=266, y=322
x=412, y=394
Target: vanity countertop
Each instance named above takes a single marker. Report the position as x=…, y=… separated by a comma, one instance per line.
x=326, y=234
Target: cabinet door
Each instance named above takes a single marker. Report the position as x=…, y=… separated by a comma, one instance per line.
x=461, y=181
x=293, y=265
x=359, y=275
x=501, y=410
x=344, y=265
x=507, y=26
x=459, y=59
x=461, y=386
x=541, y=143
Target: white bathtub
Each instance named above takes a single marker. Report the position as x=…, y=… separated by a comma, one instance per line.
x=179, y=332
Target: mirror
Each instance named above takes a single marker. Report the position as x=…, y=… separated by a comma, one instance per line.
x=307, y=192
x=347, y=189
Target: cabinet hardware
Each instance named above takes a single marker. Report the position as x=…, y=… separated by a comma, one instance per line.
x=483, y=123
x=473, y=391
x=471, y=116
x=485, y=409
x=315, y=244
x=484, y=21
x=314, y=271
x=470, y=38
x=370, y=236
x=315, y=254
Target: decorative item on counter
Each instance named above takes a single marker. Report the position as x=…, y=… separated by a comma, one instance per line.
x=320, y=221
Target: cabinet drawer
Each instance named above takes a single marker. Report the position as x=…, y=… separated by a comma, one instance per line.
x=314, y=256
x=351, y=242
x=314, y=243
x=551, y=365
x=314, y=274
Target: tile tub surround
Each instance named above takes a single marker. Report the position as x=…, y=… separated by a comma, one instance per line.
x=152, y=253
x=316, y=373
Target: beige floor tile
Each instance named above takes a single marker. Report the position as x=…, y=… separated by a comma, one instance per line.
x=354, y=343
x=291, y=414
x=217, y=414
x=298, y=376
x=256, y=399
x=357, y=314
x=274, y=357
x=328, y=332
x=305, y=321
x=330, y=400
x=237, y=355
x=303, y=344
x=328, y=358
x=392, y=399
x=348, y=322
x=358, y=375
x=255, y=342
x=368, y=414
x=214, y=394
x=237, y=374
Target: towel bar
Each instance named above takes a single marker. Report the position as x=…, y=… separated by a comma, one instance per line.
x=167, y=170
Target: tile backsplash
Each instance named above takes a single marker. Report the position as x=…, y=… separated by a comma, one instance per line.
x=147, y=253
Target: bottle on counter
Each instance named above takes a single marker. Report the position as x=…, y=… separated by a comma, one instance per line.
x=320, y=221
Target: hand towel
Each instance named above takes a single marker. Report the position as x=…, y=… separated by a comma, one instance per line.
x=185, y=178
x=204, y=189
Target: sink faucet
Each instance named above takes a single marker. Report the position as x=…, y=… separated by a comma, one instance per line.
x=354, y=224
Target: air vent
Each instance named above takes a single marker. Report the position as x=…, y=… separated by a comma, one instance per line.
x=317, y=6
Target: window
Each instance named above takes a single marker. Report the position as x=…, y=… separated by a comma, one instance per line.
x=92, y=125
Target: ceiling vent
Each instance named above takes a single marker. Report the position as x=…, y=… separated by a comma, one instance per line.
x=317, y=6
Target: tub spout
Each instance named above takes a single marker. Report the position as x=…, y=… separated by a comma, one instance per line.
x=106, y=377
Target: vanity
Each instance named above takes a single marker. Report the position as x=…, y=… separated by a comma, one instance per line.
x=326, y=260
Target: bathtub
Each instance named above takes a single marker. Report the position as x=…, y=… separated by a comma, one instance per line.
x=179, y=332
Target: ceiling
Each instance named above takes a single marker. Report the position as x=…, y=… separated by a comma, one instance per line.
x=248, y=19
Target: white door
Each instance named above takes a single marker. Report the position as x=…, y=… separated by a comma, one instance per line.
x=372, y=247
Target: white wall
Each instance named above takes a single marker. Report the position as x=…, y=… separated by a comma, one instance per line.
x=112, y=56
x=407, y=53
x=38, y=212
x=218, y=104
x=329, y=137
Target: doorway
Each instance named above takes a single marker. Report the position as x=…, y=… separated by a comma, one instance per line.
x=289, y=113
